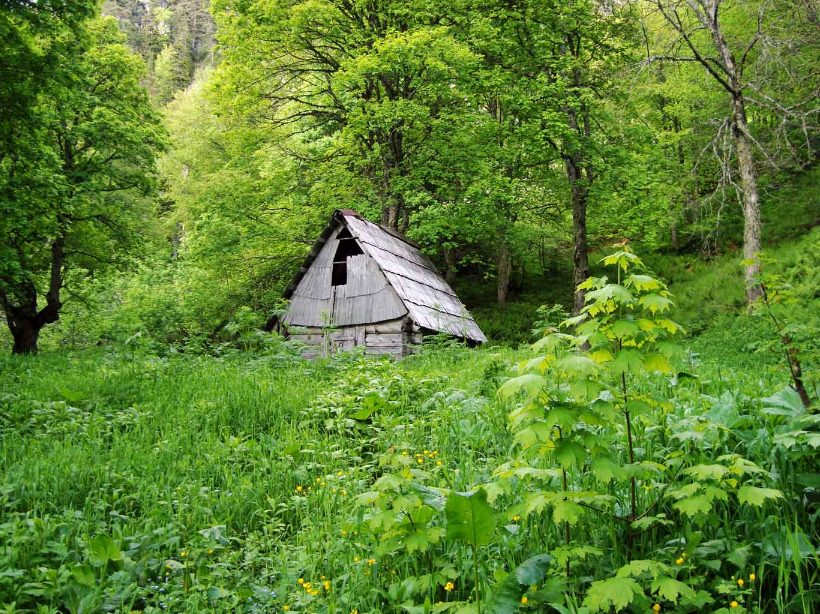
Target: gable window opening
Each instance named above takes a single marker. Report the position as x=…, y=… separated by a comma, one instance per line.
x=346, y=248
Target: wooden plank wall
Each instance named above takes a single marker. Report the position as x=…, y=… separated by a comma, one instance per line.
x=393, y=337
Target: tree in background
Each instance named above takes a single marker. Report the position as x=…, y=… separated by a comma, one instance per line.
x=174, y=37
x=558, y=59
x=759, y=53
x=371, y=86
x=99, y=135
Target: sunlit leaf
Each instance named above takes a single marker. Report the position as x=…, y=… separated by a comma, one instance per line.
x=670, y=589
x=757, y=496
x=614, y=592
x=470, y=518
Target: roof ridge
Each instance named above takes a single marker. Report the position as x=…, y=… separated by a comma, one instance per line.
x=390, y=231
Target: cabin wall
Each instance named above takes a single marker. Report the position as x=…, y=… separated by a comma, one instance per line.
x=397, y=338
x=365, y=297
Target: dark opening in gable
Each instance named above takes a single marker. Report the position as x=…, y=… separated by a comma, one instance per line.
x=346, y=248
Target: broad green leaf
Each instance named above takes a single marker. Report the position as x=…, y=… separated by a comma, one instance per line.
x=694, y=506
x=605, y=469
x=538, y=432
x=566, y=511
x=574, y=364
x=706, y=472
x=614, y=293
x=655, y=302
x=530, y=383
x=670, y=589
x=550, y=343
x=362, y=414
x=84, y=574
x=421, y=539
x=601, y=356
x=102, y=550
x=657, y=362
x=642, y=282
x=563, y=416
x=569, y=453
x=368, y=497
x=623, y=258
x=70, y=395
x=507, y=595
x=389, y=481
x=623, y=329
x=585, y=388
x=614, y=592
x=540, y=365
x=637, y=407
x=785, y=402
x=757, y=496
x=639, y=567
x=627, y=361
x=670, y=326
x=470, y=518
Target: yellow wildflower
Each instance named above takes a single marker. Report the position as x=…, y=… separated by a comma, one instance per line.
x=300, y=581
x=449, y=586
x=344, y=532
x=524, y=600
x=657, y=607
x=182, y=553
x=734, y=604
x=419, y=460
x=680, y=561
x=327, y=585
x=344, y=493
x=210, y=550
x=318, y=480
x=752, y=577
x=404, y=452
x=307, y=586
x=298, y=489
x=314, y=592
x=438, y=463
x=286, y=608
x=516, y=518
x=740, y=582
x=355, y=559
x=340, y=474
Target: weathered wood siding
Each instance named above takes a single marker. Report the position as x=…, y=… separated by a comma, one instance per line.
x=311, y=304
x=394, y=337
x=366, y=297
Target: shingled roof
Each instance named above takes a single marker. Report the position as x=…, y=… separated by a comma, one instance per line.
x=429, y=299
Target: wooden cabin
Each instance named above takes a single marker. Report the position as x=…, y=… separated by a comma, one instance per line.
x=365, y=285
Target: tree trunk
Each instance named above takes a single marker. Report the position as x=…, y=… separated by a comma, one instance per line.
x=752, y=226
x=580, y=255
x=24, y=320
x=26, y=332
x=741, y=136
x=504, y=271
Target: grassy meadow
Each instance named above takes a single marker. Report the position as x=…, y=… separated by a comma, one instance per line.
x=260, y=482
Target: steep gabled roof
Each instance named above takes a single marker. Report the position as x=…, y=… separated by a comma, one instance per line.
x=429, y=299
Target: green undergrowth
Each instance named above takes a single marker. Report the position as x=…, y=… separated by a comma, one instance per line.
x=266, y=483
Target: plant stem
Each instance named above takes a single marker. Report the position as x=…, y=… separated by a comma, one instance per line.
x=475, y=576
x=634, y=507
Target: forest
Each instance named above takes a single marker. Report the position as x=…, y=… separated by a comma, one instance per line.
x=625, y=194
